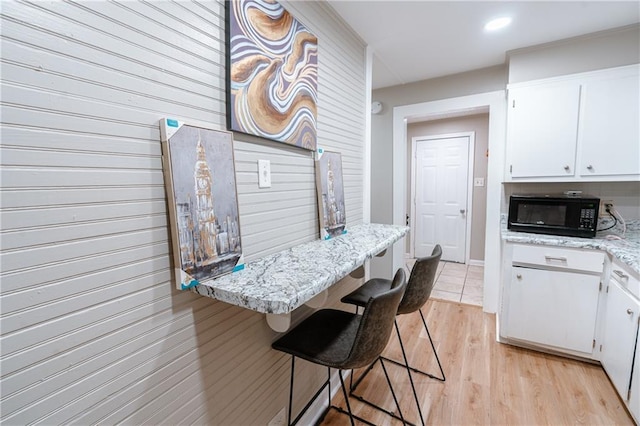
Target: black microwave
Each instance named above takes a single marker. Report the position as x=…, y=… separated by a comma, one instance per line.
x=555, y=214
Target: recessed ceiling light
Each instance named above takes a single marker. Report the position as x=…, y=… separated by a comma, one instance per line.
x=498, y=23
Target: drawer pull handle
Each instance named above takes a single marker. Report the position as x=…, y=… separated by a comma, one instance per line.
x=559, y=259
x=621, y=274
x=629, y=311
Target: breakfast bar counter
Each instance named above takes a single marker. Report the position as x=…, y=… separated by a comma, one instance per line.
x=283, y=281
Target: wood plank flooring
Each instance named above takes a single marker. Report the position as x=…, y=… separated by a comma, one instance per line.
x=487, y=383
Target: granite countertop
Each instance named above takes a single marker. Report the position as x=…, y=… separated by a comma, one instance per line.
x=624, y=247
x=281, y=282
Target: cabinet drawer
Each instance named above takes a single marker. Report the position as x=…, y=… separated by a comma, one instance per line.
x=580, y=260
x=626, y=278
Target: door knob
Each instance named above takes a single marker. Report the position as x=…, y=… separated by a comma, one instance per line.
x=566, y=168
x=629, y=311
x=462, y=211
x=589, y=167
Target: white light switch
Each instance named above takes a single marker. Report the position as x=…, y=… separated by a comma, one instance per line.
x=478, y=182
x=264, y=174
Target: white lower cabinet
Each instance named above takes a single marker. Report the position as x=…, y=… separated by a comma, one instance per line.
x=619, y=335
x=620, y=355
x=553, y=308
x=634, y=397
x=551, y=299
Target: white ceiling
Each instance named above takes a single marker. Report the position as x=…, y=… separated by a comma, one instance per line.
x=418, y=40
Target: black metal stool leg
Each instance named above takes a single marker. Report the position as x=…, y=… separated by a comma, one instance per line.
x=433, y=347
x=346, y=398
x=293, y=362
x=392, y=392
x=327, y=383
x=371, y=404
x=406, y=364
x=348, y=411
x=363, y=375
x=351, y=375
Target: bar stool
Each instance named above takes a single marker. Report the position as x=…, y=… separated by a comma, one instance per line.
x=344, y=340
x=421, y=281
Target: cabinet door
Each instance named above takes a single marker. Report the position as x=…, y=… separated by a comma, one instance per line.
x=543, y=130
x=609, y=130
x=619, y=336
x=553, y=308
x=634, y=396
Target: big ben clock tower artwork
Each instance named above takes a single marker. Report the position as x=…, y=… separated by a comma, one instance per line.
x=330, y=189
x=200, y=179
x=206, y=217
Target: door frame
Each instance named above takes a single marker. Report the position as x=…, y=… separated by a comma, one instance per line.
x=471, y=146
x=495, y=102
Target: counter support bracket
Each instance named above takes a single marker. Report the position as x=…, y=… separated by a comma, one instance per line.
x=279, y=322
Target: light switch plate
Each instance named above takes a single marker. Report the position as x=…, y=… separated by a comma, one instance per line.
x=478, y=181
x=264, y=174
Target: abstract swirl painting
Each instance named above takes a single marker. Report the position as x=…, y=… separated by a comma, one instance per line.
x=272, y=73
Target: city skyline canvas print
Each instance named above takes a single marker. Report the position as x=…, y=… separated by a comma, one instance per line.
x=203, y=201
x=272, y=73
x=330, y=190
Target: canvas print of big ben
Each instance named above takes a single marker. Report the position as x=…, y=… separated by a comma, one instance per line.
x=203, y=201
x=330, y=190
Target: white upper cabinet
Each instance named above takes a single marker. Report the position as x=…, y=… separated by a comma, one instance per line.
x=610, y=127
x=583, y=127
x=543, y=120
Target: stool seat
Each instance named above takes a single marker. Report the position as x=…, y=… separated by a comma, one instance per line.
x=326, y=338
x=360, y=296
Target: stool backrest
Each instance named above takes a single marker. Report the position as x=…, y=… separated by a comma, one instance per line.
x=376, y=324
x=421, y=282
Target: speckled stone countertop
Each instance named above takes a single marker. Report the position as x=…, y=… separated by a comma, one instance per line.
x=626, y=249
x=281, y=282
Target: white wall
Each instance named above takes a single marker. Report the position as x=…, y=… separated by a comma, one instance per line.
x=92, y=328
x=605, y=49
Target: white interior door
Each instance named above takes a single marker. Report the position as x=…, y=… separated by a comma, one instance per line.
x=441, y=186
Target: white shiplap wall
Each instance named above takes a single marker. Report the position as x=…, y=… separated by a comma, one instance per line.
x=92, y=330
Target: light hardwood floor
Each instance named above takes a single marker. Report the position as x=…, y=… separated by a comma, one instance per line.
x=488, y=383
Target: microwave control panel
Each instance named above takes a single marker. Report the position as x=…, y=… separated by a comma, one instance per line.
x=588, y=218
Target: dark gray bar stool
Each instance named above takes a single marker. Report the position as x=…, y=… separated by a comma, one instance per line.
x=344, y=340
x=421, y=281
